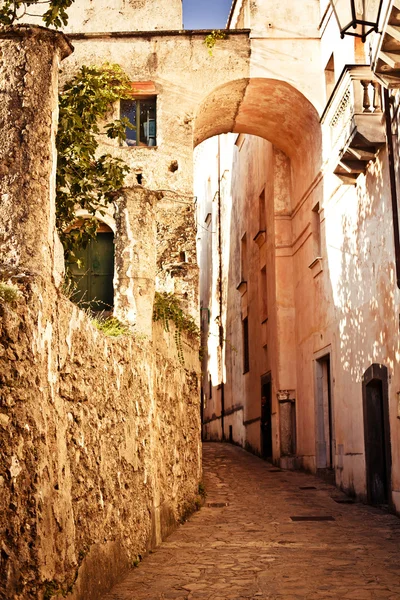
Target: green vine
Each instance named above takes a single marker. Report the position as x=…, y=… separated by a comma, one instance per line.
x=167, y=308
x=84, y=179
x=211, y=39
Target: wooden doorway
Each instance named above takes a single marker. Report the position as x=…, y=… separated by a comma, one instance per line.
x=266, y=416
x=378, y=458
x=325, y=428
x=93, y=274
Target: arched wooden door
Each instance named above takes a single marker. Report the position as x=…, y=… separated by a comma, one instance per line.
x=94, y=273
x=378, y=458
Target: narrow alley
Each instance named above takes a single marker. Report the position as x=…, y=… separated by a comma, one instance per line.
x=252, y=539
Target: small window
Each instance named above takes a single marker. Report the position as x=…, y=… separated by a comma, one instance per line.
x=263, y=294
x=243, y=258
x=246, y=350
x=261, y=212
x=330, y=76
x=141, y=113
x=316, y=230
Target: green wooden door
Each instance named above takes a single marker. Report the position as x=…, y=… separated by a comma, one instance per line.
x=94, y=278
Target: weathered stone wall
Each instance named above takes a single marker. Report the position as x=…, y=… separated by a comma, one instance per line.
x=99, y=443
x=118, y=15
x=177, y=271
x=29, y=63
x=99, y=437
x=183, y=73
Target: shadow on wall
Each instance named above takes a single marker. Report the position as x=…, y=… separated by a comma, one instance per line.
x=365, y=296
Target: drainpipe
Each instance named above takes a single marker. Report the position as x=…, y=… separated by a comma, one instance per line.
x=393, y=187
x=221, y=328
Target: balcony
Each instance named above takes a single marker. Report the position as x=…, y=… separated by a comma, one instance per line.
x=385, y=47
x=355, y=119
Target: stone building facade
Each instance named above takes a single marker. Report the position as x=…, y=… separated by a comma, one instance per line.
x=298, y=242
x=99, y=437
x=296, y=239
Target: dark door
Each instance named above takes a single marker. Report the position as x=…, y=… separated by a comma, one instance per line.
x=325, y=422
x=266, y=420
x=377, y=435
x=93, y=275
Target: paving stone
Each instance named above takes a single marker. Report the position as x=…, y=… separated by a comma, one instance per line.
x=251, y=550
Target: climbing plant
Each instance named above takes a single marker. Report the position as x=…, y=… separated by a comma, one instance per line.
x=14, y=10
x=167, y=308
x=86, y=179
x=211, y=39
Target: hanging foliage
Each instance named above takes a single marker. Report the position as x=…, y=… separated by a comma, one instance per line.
x=85, y=179
x=167, y=308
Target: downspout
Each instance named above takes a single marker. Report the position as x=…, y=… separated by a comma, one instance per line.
x=393, y=187
x=220, y=289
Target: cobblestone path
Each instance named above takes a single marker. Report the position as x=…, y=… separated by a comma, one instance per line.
x=251, y=548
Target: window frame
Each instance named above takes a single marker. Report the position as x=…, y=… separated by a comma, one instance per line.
x=138, y=99
x=246, y=345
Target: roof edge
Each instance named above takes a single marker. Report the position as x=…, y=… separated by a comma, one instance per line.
x=154, y=33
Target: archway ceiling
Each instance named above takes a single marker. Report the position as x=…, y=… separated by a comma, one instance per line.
x=268, y=108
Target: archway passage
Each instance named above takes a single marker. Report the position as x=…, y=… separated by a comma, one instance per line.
x=268, y=108
x=256, y=194
x=93, y=273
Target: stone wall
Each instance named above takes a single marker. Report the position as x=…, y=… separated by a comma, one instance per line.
x=121, y=15
x=99, y=436
x=99, y=442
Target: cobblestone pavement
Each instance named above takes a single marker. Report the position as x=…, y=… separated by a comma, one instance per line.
x=250, y=547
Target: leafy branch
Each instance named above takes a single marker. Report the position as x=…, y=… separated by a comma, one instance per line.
x=14, y=10
x=85, y=179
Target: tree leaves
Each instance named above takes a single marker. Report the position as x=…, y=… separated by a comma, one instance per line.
x=14, y=10
x=85, y=179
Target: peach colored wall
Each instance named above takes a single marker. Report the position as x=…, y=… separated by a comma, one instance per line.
x=341, y=300
x=347, y=304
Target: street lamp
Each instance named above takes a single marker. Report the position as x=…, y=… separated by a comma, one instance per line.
x=357, y=17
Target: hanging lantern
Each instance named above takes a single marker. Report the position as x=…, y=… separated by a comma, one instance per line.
x=357, y=17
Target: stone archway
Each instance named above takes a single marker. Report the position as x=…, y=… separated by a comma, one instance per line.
x=268, y=108
x=277, y=112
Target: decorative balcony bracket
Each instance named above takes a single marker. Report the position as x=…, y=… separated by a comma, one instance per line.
x=385, y=46
x=354, y=116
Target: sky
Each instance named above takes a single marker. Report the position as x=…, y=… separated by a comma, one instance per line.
x=205, y=14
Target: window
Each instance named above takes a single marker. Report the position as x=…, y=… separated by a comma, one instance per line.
x=263, y=294
x=330, y=76
x=94, y=273
x=243, y=258
x=316, y=230
x=246, y=352
x=261, y=212
x=141, y=113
